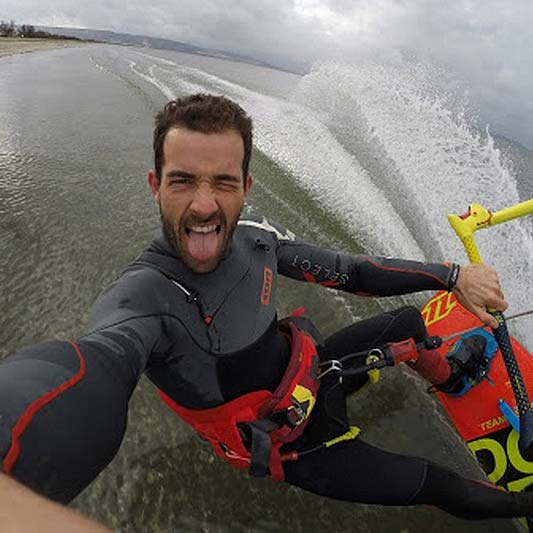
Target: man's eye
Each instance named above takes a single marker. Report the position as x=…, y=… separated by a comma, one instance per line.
x=180, y=181
x=227, y=181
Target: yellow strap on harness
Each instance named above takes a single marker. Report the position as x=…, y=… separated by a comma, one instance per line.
x=304, y=397
x=373, y=375
x=352, y=433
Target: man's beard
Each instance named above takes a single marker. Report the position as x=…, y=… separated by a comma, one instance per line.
x=174, y=232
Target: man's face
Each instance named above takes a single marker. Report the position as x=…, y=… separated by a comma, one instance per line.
x=201, y=194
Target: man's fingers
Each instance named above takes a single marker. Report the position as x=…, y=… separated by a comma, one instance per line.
x=478, y=309
x=494, y=301
x=478, y=289
x=499, y=304
x=487, y=318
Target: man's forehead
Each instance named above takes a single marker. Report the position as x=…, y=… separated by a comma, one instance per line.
x=181, y=133
x=192, y=148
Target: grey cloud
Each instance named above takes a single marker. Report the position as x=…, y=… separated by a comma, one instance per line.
x=487, y=43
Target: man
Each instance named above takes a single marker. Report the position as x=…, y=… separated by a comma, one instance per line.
x=196, y=312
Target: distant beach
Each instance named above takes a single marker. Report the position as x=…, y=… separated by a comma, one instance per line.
x=16, y=45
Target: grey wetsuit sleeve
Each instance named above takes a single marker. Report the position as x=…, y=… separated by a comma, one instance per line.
x=63, y=405
x=360, y=274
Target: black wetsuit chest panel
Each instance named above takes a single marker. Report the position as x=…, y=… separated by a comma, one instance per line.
x=199, y=380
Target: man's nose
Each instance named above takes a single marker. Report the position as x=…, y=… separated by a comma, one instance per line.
x=204, y=203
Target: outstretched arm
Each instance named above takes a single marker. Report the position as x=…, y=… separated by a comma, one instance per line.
x=63, y=406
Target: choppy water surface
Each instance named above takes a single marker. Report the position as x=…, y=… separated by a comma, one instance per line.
x=364, y=157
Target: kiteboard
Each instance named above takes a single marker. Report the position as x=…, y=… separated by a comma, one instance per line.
x=484, y=414
x=492, y=411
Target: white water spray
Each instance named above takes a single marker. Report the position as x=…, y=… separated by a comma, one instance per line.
x=428, y=162
x=386, y=152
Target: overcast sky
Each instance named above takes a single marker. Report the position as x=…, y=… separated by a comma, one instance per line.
x=487, y=43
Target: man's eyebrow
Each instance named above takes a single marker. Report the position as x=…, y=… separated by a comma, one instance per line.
x=176, y=173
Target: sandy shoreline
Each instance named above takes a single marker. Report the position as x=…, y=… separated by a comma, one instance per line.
x=14, y=45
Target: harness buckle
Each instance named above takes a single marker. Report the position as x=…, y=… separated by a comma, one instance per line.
x=296, y=413
x=376, y=352
x=333, y=365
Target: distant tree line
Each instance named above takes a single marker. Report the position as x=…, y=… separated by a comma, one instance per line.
x=27, y=31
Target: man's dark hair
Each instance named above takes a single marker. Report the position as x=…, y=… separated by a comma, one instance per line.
x=204, y=113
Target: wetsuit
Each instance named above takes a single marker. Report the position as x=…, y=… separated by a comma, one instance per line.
x=205, y=339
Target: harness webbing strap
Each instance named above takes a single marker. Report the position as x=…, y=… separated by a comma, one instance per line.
x=261, y=446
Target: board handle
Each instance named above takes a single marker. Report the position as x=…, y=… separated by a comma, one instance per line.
x=477, y=217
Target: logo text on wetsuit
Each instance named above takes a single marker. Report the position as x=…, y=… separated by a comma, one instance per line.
x=267, y=286
x=316, y=273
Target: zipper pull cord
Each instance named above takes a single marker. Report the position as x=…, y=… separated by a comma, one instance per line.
x=194, y=297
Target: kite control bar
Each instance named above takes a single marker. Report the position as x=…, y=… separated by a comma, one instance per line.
x=465, y=225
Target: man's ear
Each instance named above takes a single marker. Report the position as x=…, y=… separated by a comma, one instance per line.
x=154, y=184
x=248, y=185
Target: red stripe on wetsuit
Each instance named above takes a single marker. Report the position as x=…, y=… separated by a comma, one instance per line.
x=27, y=416
x=407, y=271
x=311, y=279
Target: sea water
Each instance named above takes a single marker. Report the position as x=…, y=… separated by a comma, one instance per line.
x=366, y=157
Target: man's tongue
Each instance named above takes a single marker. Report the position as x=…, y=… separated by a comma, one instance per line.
x=202, y=246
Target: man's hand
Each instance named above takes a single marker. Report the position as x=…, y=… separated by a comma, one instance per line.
x=477, y=289
x=22, y=510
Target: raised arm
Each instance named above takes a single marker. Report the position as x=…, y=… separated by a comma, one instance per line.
x=362, y=274
x=476, y=287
